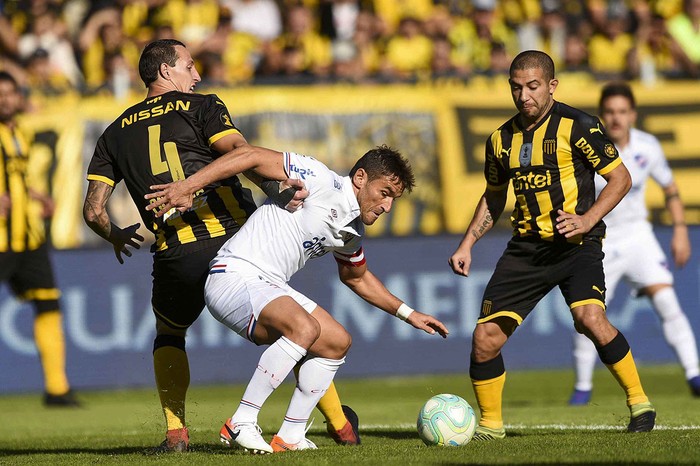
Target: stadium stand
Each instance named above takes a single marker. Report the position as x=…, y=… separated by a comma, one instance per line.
x=88, y=47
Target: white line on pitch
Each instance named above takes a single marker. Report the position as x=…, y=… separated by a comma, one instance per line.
x=538, y=427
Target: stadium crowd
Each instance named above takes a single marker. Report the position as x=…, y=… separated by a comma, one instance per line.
x=92, y=47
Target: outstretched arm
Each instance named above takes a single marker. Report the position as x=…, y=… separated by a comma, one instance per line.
x=368, y=287
x=97, y=218
x=289, y=194
x=265, y=162
x=487, y=212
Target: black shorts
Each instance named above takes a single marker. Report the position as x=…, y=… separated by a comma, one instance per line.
x=179, y=275
x=30, y=276
x=528, y=270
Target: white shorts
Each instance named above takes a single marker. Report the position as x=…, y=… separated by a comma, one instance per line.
x=236, y=299
x=635, y=257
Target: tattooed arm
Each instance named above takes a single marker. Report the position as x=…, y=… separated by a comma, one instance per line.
x=487, y=211
x=97, y=218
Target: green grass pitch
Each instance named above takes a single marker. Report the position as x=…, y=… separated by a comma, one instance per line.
x=118, y=427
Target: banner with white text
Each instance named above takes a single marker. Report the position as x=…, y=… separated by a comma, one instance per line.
x=110, y=327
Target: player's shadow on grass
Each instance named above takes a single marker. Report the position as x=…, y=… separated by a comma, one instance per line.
x=402, y=434
x=519, y=404
x=116, y=451
x=75, y=450
x=389, y=434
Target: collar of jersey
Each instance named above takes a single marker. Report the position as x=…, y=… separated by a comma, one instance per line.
x=352, y=208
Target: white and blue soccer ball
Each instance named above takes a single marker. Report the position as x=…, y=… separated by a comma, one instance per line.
x=446, y=420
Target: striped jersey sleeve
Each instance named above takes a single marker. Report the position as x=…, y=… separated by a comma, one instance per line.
x=355, y=259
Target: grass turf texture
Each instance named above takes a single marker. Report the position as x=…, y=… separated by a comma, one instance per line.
x=119, y=427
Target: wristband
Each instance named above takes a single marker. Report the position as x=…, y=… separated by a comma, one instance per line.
x=404, y=311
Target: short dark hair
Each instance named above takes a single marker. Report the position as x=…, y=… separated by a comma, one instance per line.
x=530, y=59
x=385, y=161
x=616, y=89
x=7, y=77
x=155, y=53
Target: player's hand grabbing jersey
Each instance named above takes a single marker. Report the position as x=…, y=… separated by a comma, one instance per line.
x=169, y=138
x=279, y=243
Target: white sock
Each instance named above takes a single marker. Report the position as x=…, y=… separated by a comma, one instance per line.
x=677, y=330
x=585, y=356
x=315, y=376
x=275, y=364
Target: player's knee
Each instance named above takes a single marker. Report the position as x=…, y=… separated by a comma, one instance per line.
x=666, y=304
x=341, y=344
x=333, y=343
x=305, y=332
x=480, y=354
x=589, y=319
x=486, y=342
x=653, y=290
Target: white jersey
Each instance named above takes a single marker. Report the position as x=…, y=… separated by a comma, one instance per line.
x=279, y=243
x=643, y=158
x=628, y=229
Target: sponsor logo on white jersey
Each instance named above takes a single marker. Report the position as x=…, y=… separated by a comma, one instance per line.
x=314, y=247
x=303, y=172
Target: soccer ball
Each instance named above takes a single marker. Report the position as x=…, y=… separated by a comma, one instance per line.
x=446, y=420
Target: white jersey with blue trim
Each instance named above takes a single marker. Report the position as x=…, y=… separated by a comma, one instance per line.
x=643, y=158
x=279, y=243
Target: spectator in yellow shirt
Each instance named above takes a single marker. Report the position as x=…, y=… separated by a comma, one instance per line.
x=238, y=52
x=685, y=29
x=192, y=20
x=609, y=46
x=409, y=53
x=474, y=38
x=103, y=37
x=391, y=12
x=658, y=53
x=365, y=39
x=300, y=35
x=43, y=79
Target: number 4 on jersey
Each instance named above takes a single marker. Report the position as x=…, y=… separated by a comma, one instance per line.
x=172, y=158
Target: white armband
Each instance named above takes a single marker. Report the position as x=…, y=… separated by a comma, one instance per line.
x=404, y=311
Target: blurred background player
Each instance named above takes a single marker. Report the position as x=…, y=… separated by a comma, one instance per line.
x=632, y=252
x=24, y=255
x=180, y=133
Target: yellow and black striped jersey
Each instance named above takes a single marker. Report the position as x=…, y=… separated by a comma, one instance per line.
x=22, y=228
x=551, y=167
x=168, y=138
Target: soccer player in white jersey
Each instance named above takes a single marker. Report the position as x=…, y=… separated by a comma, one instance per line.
x=632, y=252
x=248, y=289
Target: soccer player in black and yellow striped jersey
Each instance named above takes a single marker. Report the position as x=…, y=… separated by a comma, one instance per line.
x=167, y=137
x=24, y=257
x=549, y=152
